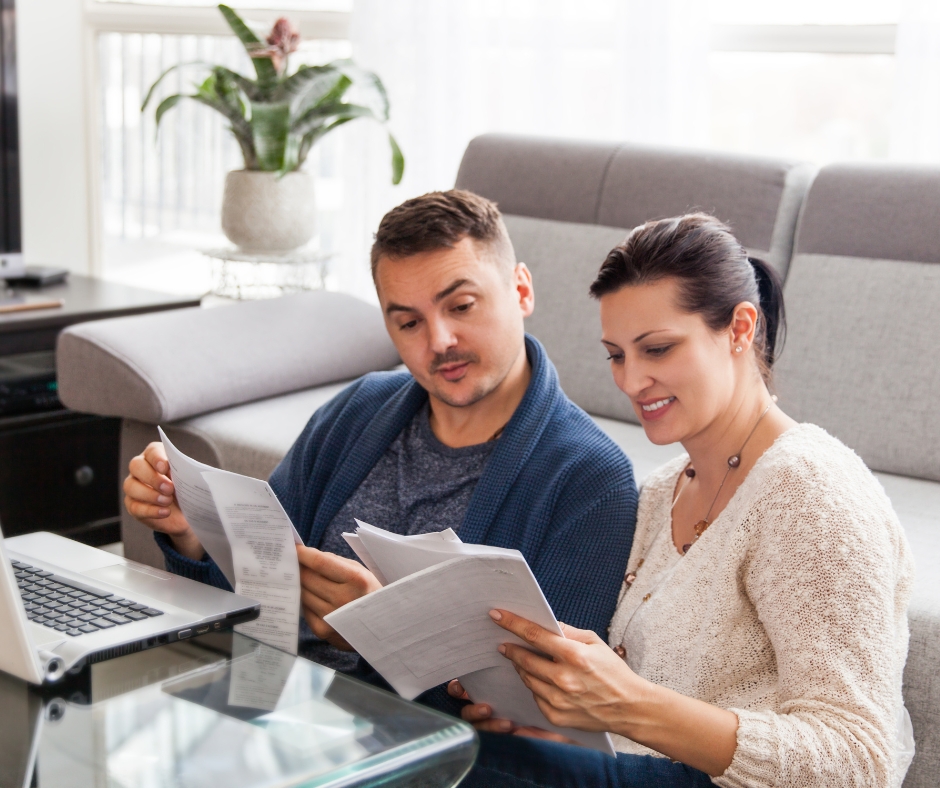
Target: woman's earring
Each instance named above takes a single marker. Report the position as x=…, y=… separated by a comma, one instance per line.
x=738, y=349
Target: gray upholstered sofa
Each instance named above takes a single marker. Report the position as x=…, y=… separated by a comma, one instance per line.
x=858, y=246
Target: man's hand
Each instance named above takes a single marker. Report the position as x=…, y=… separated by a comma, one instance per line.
x=480, y=715
x=327, y=582
x=149, y=496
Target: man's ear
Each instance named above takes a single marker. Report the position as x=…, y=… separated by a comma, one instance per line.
x=522, y=284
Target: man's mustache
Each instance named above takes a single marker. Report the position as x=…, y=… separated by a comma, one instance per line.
x=451, y=357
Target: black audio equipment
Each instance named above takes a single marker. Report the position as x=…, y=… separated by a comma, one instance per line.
x=28, y=383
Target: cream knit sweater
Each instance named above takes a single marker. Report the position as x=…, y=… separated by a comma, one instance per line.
x=790, y=610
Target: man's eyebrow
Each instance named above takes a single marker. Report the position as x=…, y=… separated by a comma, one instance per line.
x=393, y=307
x=450, y=289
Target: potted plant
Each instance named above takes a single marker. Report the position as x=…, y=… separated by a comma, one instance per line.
x=277, y=118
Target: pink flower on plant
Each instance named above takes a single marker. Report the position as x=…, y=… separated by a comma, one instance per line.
x=283, y=39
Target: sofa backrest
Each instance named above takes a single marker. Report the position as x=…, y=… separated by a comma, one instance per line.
x=566, y=204
x=863, y=297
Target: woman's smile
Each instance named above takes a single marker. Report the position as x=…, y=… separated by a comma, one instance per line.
x=653, y=410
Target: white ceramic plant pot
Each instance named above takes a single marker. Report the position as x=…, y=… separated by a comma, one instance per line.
x=264, y=213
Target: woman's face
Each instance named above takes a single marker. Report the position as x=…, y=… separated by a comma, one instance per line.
x=677, y=372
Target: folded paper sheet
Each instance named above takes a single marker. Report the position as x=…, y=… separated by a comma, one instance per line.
x=431, y=622
x=246, y=531
x=195, y=499
x=262, y=539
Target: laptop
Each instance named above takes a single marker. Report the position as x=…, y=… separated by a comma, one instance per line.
x=64, y=604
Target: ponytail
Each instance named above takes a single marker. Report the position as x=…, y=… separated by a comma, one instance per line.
x=772, y=309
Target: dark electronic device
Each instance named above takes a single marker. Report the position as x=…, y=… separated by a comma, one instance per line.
x=28, y=383
x=39, y=276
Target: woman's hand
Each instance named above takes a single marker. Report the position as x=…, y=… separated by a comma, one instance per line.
x=582, y=683
x=480, y=715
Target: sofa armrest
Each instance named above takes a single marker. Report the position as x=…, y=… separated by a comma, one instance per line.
x=171, y=365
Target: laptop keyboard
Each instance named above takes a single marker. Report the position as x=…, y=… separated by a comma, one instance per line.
x=71, y=607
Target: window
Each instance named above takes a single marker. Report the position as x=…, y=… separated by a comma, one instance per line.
x=160, y=193
x=806, y=79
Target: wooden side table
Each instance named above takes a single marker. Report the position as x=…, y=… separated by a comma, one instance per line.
x=58, y=468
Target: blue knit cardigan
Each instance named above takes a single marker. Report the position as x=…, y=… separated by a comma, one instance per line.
x=555, y=487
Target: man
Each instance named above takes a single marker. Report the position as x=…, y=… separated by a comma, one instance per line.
x=476, y=436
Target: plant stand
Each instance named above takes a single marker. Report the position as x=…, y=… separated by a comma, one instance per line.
x=245, y=276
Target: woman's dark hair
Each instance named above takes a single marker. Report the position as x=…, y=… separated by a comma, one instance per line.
x=714, y=273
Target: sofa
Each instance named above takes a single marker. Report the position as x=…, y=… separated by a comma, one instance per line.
x=857, y=246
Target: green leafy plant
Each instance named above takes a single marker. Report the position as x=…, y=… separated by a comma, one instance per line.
x=277, y=118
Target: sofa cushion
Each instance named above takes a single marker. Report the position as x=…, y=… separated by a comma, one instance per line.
x=623, y=185
x=860, y=357
x=564, y=258
x=534, y=176
x=862, y=297
x=877, y=211
x=760, y=198
x=170, y=365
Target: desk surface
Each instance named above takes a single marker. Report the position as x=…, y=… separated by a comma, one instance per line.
x=222, y=710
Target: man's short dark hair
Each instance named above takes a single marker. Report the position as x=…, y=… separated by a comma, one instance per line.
x=439, y=220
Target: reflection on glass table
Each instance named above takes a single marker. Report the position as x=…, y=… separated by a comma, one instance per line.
x=223, y=711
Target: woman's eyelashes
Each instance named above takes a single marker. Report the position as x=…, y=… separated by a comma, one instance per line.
x=658, y=350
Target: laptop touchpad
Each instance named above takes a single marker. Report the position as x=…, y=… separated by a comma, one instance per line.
x=162, y=587
x=132, y=579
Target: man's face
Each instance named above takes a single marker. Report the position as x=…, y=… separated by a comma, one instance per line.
x=455, y=317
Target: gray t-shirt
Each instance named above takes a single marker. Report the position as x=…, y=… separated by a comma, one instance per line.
x=418, y=485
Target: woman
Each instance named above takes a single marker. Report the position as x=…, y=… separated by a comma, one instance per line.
x=761, y=631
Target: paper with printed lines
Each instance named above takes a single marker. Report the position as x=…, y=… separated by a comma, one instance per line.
x=432, y=625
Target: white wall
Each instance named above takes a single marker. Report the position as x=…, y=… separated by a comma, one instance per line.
x=53, y=150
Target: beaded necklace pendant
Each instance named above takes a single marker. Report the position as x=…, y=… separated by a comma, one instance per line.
x=700, y=527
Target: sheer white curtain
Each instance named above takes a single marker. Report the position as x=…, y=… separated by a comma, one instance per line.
x=915, y=132
x=592, y=69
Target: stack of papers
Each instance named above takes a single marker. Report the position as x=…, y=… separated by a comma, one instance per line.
x=430, y=622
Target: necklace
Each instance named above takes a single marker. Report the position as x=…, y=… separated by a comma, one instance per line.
x=733, y=462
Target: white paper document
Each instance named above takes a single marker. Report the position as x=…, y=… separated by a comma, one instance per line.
x=266, y=566
x=243, y=526
x=195, y=499
x=431, y=622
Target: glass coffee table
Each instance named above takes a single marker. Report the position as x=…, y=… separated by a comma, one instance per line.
x=222, y=711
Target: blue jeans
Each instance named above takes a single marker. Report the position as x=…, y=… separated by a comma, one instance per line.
x=519, y=762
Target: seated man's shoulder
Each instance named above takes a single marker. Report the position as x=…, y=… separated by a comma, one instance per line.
x=573, y=440
x=381, y=384
x=361, y=399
